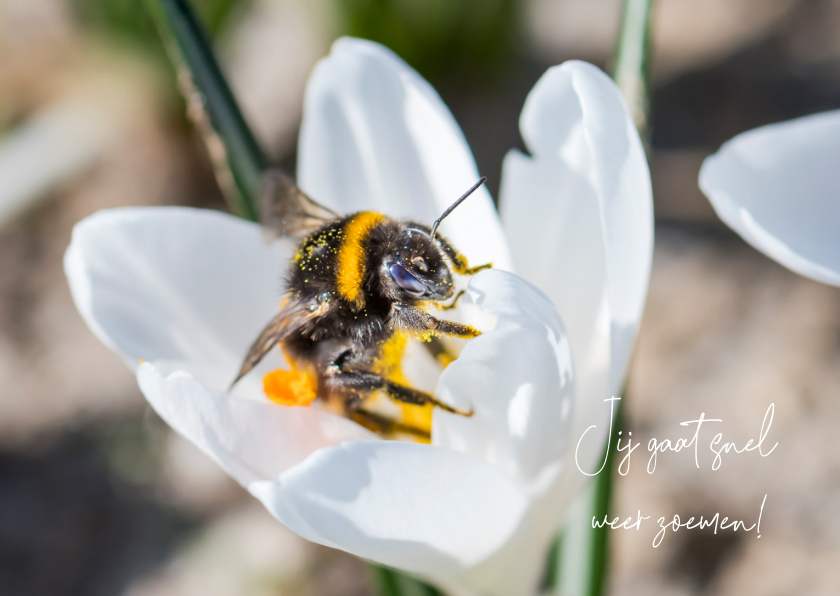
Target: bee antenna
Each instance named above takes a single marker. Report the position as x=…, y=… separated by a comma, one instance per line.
x=458, y=202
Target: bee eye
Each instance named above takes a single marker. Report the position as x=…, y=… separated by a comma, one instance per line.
x=406, y=281
x=420, y=263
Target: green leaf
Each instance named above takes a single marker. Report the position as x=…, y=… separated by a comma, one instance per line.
x=128, y=21
x=237, y=157
x=444, y=40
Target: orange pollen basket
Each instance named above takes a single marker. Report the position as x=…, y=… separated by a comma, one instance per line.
x=294, y=387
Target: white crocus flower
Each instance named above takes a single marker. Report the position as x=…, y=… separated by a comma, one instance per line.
x=778, y=186
x=186, y=291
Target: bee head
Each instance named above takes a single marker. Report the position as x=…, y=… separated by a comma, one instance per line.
x=417, y=268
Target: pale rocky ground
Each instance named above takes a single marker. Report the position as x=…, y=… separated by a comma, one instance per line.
x=97, y=496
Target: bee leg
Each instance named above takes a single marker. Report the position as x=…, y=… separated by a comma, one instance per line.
x=408, y=395
x=355, y=382
x=454, y=302
x=384, y=425
x=459, y=261
x=352, y=381
x=439, y=351
x=462, y=268
x=419, y=320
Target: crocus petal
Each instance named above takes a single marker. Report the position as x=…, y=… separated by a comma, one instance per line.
x=376, y=136
x=519, y=380
x=417, y=507
x=188, y=290
x=168, y=285
x=420, y=508
x=252, y=440
x=579, y=219
x=176, y=284
x=778, y=186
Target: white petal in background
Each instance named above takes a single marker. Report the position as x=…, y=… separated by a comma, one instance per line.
x=64, y=138
x=376, y=136
x=579, y=218
x=778, y=186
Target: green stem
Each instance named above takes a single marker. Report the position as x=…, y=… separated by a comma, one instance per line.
x=582, y=554
x=567, y=573
x=601, y=504
x=551, y=581
x=631, y=70
x=385, y=581
x=390, y=582
x=237, y=157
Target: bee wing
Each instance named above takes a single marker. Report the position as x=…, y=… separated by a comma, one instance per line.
x=288, y=319
x=285, y=210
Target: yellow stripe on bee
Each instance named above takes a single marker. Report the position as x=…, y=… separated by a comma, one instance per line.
x=352, y=256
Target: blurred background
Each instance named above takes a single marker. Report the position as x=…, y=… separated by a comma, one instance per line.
x=99, y=497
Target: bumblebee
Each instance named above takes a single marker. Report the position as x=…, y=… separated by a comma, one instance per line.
x=357, y=286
